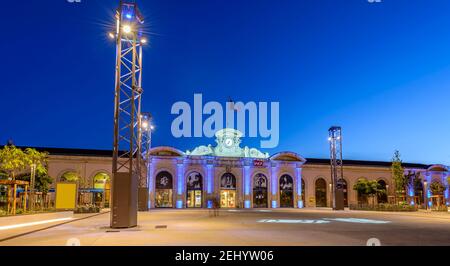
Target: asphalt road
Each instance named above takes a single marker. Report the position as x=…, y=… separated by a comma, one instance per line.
x=306, y=227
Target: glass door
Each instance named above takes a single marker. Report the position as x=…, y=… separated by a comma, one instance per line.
x=228, y=199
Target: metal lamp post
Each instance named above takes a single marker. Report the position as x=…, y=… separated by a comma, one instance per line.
x=126, y=167
x=337, y=169
x=145, y=139
x=425, y=183
x=32, y=185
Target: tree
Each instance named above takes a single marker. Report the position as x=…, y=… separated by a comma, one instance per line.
x=12, y=161
x=3, y=174
x=368, y=189
x=401, y=181
x=43, y=181
x=38, y=159
x=416, y=184
x=437, y=188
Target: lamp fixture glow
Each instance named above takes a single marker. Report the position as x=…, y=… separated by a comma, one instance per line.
x=143, y=40
x=14, y=226
x=127, y=28
x=111, y=35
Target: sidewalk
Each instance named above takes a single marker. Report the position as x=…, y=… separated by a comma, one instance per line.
x=22, y=224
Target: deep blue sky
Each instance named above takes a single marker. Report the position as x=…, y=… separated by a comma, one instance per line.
x=381, y=71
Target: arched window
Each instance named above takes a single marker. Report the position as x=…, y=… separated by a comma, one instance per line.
x=102, y=186
x=194, y=188
x=260, y=191
x=70, y=176
x=101, y=180
x=286, y=191
x=164, y=190
x=321, y=193
x=360, y=187
x=228, y=191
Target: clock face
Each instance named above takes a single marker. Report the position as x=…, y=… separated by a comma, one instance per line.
x=229, y=143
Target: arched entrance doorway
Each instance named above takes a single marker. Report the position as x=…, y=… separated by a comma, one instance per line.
x=286, y=191
x=194, y=188
x=228, y=191
x=102, y=189
x=164, y=190
x=342, y=184
x=321, y=193
x=382, y=197
x=260, y=191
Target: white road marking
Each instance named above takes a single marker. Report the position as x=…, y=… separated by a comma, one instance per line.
x=14, y=226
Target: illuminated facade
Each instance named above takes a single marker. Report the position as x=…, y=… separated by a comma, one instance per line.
x=247, y=178
x=242, y=177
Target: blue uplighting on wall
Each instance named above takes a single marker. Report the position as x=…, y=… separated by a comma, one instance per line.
x=247, y=204
x=209, y=173
x=274, y=181
x=411, y=192
x=247, y=180
x=179, y=204
x=300, y=204
x=274, y=204
x=180, y=178
x=430, y=204
x=299, y=181
x=209, y=204
x=150, y=180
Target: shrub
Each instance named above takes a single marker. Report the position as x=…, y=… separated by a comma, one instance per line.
x=384, y=207
x=87, y=209
x=441, y=208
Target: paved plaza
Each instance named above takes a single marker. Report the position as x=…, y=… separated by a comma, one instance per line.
x=264, y=227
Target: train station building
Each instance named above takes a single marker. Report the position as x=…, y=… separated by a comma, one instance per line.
x=238, y=176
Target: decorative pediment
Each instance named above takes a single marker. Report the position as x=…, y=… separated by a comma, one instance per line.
x=438, y=168
x=166, y=151
x=287, y=156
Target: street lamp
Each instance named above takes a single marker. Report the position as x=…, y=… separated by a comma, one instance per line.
x=145, y=138
x=127, y=29
x=425, y=183
x=32, y=184
x=331, y=195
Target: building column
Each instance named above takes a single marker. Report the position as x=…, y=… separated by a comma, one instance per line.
x=274, y=187
x=151, y=185
x=298, y=173
x=209, y=184
x=181, y=198
x=447, y=191
x=428, y=191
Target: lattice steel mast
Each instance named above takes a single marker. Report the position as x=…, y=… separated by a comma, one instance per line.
x=127, y=112
x=146, y=144
x=337, y=170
